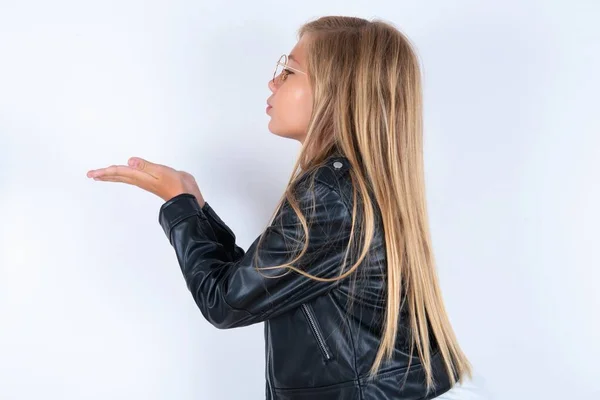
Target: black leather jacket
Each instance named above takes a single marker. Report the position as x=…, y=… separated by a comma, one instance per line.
x=316, y=347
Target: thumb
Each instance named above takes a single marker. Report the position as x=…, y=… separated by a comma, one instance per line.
x=140, y=163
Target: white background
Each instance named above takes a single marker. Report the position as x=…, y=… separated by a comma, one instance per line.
x=92, y=301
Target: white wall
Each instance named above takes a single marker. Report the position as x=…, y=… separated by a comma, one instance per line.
x=92, y=302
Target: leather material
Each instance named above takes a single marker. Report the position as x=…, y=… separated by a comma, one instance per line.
x=316, y=346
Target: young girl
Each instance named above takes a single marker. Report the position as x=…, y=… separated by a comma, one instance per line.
x=344, y=275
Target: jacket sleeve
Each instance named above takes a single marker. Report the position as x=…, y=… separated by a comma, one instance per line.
x=231, y=292
x=223, y=233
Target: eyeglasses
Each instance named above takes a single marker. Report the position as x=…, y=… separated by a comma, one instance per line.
x=281, y=67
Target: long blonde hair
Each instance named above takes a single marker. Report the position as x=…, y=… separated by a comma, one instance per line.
x=367, y=103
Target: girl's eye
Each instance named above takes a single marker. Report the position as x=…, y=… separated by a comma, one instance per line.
x=285, y=73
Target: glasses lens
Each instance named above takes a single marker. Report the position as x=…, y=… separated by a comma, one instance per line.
x=279, y=68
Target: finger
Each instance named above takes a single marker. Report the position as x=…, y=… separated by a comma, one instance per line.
x=94, y=173
x=145, y=185
x=120, y=179
x=138, y=178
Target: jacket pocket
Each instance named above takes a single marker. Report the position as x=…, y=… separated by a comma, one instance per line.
x=316, y=330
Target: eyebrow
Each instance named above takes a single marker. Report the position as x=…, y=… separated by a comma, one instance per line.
x=291, y=57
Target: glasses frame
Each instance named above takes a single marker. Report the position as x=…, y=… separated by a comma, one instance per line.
x=285, y=66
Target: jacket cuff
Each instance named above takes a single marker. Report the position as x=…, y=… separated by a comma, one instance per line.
x=177, y=209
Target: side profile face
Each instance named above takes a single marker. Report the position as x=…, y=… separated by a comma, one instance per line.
x=291, y=100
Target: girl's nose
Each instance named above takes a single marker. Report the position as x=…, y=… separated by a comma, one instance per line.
x=272, y=86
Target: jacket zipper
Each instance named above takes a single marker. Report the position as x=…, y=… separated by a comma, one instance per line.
x=269, y=378
x=312, y=321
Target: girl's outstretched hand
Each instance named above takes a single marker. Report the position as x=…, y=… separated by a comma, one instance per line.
x=163, y=181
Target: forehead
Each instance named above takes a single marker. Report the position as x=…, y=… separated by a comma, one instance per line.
x=297, y=53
